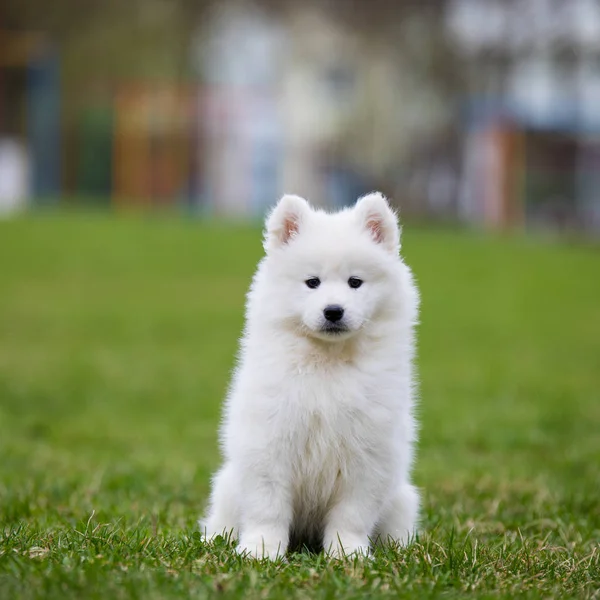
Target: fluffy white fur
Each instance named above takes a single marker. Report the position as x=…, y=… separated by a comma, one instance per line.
x=318, y=426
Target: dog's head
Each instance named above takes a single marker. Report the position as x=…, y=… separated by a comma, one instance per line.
x=330, y=275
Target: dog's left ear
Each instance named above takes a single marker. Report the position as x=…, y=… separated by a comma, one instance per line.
x=379, y=220
x=285, y=221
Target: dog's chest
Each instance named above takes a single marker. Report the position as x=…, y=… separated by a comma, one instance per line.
x=328, y=429
x=320, y=445
x=320, y=462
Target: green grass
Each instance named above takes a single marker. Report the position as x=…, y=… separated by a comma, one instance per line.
x=116, y=340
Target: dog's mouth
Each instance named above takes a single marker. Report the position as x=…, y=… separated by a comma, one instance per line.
x=334, y=329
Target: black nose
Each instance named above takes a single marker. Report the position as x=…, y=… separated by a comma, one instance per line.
x=333, y=313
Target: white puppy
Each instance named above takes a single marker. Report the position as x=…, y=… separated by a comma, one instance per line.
x=318, y=427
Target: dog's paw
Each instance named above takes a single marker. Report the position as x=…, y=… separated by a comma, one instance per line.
x=259, y=547
x=347, y=547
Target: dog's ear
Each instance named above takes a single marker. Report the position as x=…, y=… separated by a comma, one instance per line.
x=285, y=221
x=379, y=220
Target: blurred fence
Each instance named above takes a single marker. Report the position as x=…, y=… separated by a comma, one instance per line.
x=203, y=149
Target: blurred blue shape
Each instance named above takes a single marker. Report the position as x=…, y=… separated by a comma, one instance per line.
x=43, y=125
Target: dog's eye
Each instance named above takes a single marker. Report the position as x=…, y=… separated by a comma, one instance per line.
x=313, y=282
x=355, y=282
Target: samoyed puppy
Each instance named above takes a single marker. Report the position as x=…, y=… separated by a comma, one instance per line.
x=318, y=428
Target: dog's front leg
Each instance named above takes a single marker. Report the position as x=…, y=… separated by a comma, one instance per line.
x=266, y=518
x=350, y=523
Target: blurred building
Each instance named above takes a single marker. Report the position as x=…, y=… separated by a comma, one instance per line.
x=300, y=100
x=532, y=120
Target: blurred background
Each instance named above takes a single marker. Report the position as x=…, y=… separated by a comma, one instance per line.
x=471, y=111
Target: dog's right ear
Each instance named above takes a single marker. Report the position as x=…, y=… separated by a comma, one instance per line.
x=285, y=221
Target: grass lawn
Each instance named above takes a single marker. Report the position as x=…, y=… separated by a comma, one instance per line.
x=116, y=340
